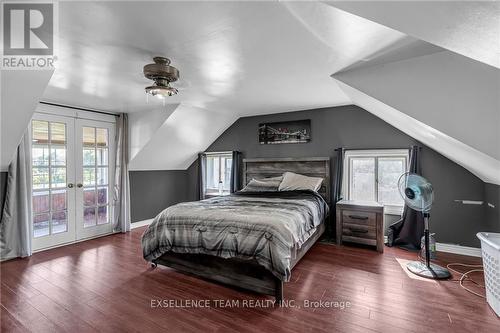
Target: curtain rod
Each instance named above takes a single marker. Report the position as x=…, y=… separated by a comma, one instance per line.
x=78, y=108
x=378, y=148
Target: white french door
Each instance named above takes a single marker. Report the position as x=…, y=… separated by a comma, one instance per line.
x=72, y=171
x=94, y=174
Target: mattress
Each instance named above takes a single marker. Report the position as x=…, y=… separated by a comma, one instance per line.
x=266, y=226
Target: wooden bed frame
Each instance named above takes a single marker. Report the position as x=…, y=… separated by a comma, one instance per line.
x=248, y=274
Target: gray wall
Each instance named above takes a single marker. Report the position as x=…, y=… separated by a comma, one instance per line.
x=153, y=191
x=353, y=127
x=492, y=214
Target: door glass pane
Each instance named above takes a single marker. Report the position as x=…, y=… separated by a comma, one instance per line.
x=389, y=171
x=89, y=176
x=89, y=157
x=40, y=155
x=102, y=156
x=102, y=215
x=58, y=177
x=41, y=202
x=58, y=155
x=59, y=222
x=57, y=133
x=102, y=195
x=89, y=136
x=102, y=137
x=89, y=218
x=41, y=225
x=59, y=200
x=89, y=197
x=102, y=176
x=40, y=178
x=49, y=171
x=362, y=182
x=40, y=131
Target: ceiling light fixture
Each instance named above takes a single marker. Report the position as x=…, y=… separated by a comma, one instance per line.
x=162, y=74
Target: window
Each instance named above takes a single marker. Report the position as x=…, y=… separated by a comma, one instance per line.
x=372, y=175
x=218, y=173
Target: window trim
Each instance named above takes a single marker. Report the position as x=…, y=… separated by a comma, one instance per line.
x=376, y=154
x=219, y=154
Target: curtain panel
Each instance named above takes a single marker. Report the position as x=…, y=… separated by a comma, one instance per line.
x=15, y=225
x=121, y=191
x=336, y=194
x=236, y=172
x=202, y=166
x=408, y=231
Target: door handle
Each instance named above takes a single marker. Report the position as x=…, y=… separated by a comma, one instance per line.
x=70, y=185
x=79, y=185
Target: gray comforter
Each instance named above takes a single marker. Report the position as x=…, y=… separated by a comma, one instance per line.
x=267, y=226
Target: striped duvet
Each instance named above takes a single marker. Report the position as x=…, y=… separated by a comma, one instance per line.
x=267, y=226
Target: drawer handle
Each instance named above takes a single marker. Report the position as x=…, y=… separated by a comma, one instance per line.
x=361, y=231
x=357, y=217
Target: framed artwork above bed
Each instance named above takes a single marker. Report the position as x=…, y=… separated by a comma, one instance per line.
x=297, y=131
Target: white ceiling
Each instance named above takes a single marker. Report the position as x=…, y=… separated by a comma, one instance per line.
x=242, y=58
x=235, y=59
x=239, y=59
x=469, y=28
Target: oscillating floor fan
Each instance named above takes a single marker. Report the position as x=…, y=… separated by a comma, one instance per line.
x=418, y=194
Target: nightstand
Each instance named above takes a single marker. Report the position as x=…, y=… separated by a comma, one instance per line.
x=360, y=222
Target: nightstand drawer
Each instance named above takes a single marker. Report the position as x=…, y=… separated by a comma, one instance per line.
x=360, y=231
x=360, y=222
x=359, y=240
x=359, y=217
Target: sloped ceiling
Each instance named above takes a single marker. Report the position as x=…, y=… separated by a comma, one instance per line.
x=235, y=59
x=447, y=100
x=482, y=165
x=449, y=92
x=20, y=92
x=469, y=28
x=434, y=62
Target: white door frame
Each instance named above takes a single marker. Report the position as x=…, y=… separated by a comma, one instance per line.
x=71, y=117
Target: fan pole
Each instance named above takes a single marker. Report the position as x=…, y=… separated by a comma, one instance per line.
x=427, y=270
x=426, y=237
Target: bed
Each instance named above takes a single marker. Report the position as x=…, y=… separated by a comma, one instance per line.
x=249, y=240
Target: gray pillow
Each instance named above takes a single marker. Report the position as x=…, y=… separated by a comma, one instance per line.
x=263, y=185
x=294, y=181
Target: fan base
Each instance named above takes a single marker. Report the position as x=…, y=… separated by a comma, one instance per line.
x=433, y=272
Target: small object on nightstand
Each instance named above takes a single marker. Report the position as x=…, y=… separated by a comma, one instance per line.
x=360, y=222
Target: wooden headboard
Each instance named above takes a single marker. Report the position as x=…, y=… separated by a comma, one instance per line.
x=272, y=167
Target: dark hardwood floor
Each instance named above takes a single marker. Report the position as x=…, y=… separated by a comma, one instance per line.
x=105, y=285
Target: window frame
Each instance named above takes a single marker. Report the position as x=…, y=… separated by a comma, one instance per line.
x=219, y=155
x=376, y=154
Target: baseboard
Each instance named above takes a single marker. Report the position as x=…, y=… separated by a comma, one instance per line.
x=458, y=249
x=455, y=249
x=139, y=224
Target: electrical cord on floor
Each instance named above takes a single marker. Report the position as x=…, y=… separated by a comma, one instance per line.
x=464, y=275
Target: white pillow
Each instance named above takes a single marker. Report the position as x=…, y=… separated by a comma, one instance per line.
x=292, y=181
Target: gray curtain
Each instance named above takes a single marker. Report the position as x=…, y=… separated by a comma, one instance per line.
x=121, y=192
x=337, y=187
x=202, y=164
x=15, y=225
x=235, y=172
x=408, y=231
